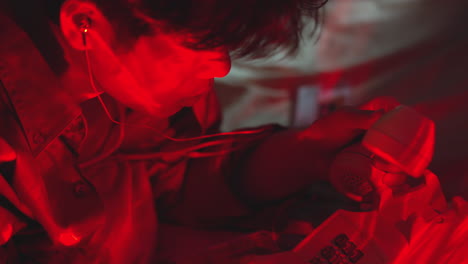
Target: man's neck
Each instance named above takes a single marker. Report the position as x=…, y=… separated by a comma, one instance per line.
x=75, y=80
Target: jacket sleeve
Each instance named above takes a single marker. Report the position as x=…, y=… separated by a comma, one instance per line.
x=210, y=195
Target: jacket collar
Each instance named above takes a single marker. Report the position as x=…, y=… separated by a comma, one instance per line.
x=42, y=107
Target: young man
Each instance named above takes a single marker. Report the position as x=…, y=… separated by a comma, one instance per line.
x=103, y=111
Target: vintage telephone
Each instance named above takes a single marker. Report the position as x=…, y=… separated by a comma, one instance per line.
x=395, y=150
x=394, y=154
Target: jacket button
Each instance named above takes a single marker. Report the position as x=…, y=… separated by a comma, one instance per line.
x=81, y=188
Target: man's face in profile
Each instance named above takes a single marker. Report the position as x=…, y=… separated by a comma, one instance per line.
x=171, y=75
x=154, y=73
x=165, y=75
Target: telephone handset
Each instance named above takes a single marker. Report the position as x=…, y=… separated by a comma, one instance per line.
x=398, y=147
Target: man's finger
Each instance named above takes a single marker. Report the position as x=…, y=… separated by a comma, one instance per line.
x=384, y=103
x=360, y=119
x=347, y=125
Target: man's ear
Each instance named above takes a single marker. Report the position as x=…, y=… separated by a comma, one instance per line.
x=81, y=21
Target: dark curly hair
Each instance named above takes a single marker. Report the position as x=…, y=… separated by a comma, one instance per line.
x=252, y=28
x=248, y=28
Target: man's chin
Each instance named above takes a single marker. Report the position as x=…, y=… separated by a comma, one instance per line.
x=190, y=101
x=166, y=110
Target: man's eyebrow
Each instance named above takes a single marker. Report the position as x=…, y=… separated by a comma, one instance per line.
x=70, y=8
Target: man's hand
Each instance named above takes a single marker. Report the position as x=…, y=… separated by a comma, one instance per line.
x=291, y=160
x=332, y=133
x=342, y=128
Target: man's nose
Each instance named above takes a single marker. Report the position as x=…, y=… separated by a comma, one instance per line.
x=214, y=64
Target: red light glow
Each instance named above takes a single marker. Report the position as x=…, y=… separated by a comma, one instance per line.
x=68, y=238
